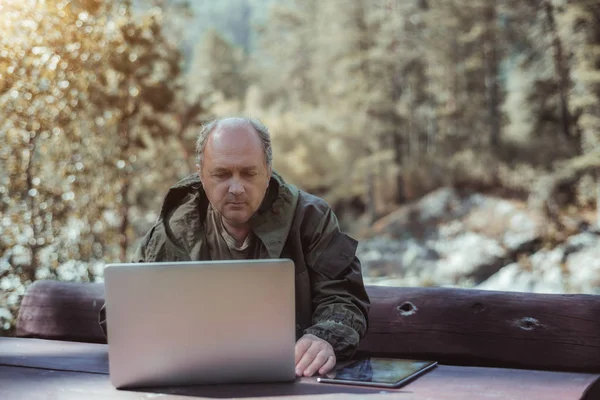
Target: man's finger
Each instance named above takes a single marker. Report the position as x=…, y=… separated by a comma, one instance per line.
x=317, y=363
x=301, y=347
x=307, y=358
x=328, y=366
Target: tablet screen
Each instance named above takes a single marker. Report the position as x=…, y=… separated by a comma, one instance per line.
x=380, y=370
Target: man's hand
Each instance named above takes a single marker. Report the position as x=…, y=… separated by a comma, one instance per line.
x=313, y=355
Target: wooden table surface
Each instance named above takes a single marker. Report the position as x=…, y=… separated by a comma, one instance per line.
x=41, y=369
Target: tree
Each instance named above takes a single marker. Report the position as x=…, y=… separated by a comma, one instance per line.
x=218, y=67
x=142, y=92
x=92, y=121
x=581, y=22
x=45, y=115
x=285, y=60
x=561, y=66
x=48, y=54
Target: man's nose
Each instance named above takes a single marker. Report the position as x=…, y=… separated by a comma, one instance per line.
x=236, y=188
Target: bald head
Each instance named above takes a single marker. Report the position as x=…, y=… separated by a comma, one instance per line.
x=240, y=127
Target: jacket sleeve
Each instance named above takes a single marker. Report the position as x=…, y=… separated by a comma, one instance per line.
x=340, y=301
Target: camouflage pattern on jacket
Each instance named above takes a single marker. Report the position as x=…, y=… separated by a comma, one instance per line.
x=331, y=301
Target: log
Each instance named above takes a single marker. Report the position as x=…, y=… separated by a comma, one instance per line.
x=62, y=311
x=452, y=326
x=486, y=328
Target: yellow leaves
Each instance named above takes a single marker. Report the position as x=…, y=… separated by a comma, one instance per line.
x=134, y=91
x=53, y=62
x=473, y=63
x=474, y=34
x=588, y=76
x=73, y=47
x=83, y=16
x=63, y=84
x=62, y=123
x=591, y=121
x=13, y=136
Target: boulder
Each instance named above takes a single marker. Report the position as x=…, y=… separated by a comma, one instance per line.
x=540, y=273
x=469, y=256
x=583, y=263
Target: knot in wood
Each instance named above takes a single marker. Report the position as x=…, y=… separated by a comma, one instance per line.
x=527, y=324
x=477, y=308
x=407, y=308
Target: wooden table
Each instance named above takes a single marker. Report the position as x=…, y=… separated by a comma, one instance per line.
x=41, y=369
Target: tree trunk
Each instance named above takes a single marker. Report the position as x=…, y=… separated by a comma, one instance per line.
x=31, y=269
x=562, y=70
x=413, y=138
x=398, y=157
x=491, y=72
x=124, y=192
x=598, y=200
x=123, y=237
x=246, y=27
x=453, y=128
x=431, y=120
x=371, y=201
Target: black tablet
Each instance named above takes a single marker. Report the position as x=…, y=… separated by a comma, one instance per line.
x=379, y=372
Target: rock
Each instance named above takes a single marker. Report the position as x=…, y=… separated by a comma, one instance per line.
x=510, y=278
x=384, y=281
x=380, y=256
x=468, y=255
x=523, y=231
x=385, y=256
x=548, y=271
x=419, y=217
x=439, y=205
x=540, y=273
x=446, y=239
x=583, y=263
x=579, y=242
x=515, y=227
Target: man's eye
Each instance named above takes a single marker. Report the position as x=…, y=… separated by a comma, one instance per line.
x=250, y=174
x=219, y=174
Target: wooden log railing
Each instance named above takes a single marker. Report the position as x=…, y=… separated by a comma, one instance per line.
x=489, y=328
x=62, y=311
x=452, y=326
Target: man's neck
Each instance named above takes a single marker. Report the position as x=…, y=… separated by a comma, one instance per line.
x=239, y=233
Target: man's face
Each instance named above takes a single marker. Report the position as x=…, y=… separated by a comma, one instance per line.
x=234, y=172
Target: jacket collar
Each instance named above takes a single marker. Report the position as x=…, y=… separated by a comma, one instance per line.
x=272, y=223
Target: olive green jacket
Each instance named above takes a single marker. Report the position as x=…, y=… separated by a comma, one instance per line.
x=331, y=301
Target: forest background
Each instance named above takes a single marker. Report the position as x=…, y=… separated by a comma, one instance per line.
x=441, y=131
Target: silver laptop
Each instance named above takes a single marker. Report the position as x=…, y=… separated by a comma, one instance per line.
x=206, y=322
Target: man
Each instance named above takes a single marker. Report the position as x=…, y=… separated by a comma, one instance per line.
x=237, y=207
